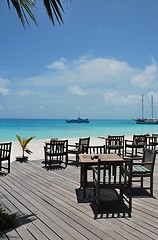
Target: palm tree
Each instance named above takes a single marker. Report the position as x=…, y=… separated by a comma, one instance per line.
x=23, y=143
x=24, y=8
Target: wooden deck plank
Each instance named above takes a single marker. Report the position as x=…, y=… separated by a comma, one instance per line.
x=85, y=218
x=57, y=212
x=67, y=204
x=51, y=207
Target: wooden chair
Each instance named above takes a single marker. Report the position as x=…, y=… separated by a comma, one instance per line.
x=152, y=141
x=110, y=175
x=80, y=147
x=134, y=148
x=56, y=153
x=115, y=144
x=144, y=168
x=5, y=153
x=96, y=149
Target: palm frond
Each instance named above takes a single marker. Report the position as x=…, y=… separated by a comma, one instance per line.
x=19, y=139
x=25, y=8
x=29, y=139
x=54, y=6
x=28, y=151
x=22, y=6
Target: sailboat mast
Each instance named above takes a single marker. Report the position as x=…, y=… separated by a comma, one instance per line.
x=152, y=112
x=142, y=107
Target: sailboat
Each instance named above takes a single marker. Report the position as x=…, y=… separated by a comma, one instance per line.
x=143, y=120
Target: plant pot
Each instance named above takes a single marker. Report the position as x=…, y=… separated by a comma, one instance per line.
x=21, y=159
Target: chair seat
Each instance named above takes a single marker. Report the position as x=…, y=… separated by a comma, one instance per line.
x=115, y=147
x=136, y=169
x=73, y=150
x=139, y=145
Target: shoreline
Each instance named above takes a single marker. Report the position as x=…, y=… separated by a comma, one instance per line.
x=37, y=147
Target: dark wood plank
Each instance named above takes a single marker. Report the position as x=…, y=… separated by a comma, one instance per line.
x=49, y=205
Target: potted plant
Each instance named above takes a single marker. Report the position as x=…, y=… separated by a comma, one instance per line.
x=6, y=219
x=23, y=143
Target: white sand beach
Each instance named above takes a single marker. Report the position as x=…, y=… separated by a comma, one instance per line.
x=37, y=147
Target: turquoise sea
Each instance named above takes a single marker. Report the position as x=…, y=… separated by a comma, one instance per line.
x=49, y=128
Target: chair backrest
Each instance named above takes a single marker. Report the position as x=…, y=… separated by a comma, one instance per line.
x=149, y=156
x=53, y=139
x=151, y=141
x=111, y=174
x=5, y=151
x=139, y=140
x=114, y=141
x=96, y=149
x=57, y=147
x=83, y=145
x=155, y=136
x=115, y=144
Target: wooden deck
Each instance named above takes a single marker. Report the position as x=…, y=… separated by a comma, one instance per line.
x=49, y=205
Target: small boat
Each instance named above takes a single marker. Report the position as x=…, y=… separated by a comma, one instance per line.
x=78, y=120
x=143, y=120
x=146, y=121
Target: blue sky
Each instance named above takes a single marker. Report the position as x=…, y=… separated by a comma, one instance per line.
x=96, y=65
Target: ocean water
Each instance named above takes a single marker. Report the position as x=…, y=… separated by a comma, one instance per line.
x=49, y=128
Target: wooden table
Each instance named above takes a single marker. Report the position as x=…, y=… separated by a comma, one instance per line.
x=86, y=162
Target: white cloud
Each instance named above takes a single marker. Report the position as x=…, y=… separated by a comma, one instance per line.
x=88, y=71
x=26, y=93
x=105, y=83
x=115, y=98
x=4, y=90
x=58, y=65
x=155, y=96
x=146, y=78
x=102, y=70
x=76, y=89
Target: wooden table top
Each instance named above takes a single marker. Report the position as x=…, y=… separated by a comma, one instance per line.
x=86, y=158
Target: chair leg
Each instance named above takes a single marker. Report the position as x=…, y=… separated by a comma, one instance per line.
x=151, y=186
x=50, y=159
x=142, y=182
x=97, y=197
x=66, y=160
x=77, y=159
x=130, y=199
x=8, y=166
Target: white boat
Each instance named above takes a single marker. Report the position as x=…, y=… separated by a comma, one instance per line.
x=146, y=121
x=78, y=120
x=143, y=120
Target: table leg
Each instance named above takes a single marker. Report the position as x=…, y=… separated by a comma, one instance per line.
x=81, y=175
x=83, y=178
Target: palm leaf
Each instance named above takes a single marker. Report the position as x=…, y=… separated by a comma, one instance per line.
x=22, y=6
x=24, y=142
x=54, y=6
x=26, y=7
x=28, y=140
x=19, y=139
